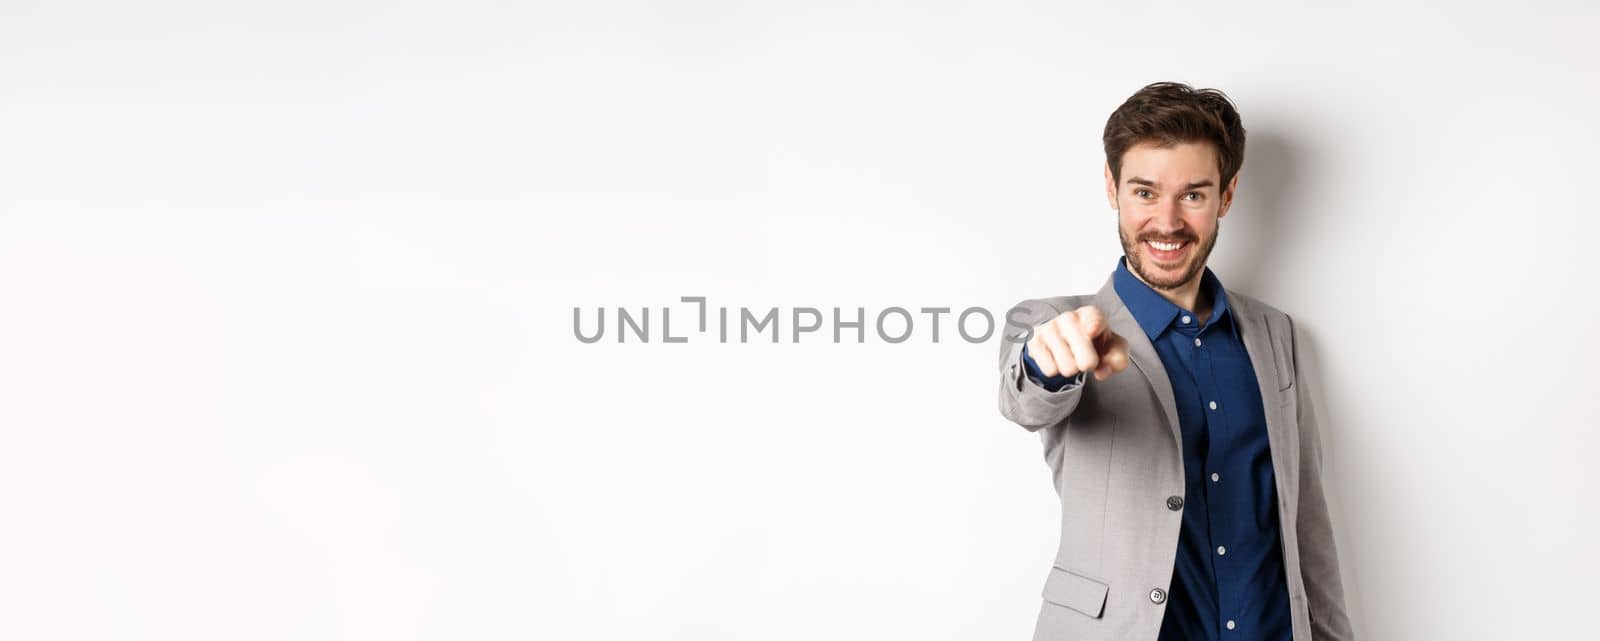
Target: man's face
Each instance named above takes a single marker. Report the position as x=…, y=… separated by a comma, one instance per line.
x=1169, y=195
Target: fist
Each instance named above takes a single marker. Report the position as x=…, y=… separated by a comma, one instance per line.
x=1078, y=341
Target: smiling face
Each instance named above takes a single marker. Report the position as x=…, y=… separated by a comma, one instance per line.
x=1169, y=207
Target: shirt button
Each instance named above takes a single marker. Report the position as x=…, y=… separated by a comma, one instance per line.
x=1221, y=550
x=1196, y=342
x=1158, y=595
x=1186, y=320
x=1215, y=477
x=1174, y=503
x=1230, y=624
x=1213, y=405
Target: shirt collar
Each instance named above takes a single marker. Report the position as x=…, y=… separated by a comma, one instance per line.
x=1154, y=313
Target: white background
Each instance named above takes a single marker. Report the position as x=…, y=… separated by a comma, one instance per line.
x=286, y=346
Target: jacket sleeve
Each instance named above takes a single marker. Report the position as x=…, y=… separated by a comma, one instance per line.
x=1022, y=400
x=1319, y=556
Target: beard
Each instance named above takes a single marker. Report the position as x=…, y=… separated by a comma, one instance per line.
x=1198, y=254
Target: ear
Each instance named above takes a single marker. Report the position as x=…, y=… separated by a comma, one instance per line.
x=1111, y=187
x=1227, y=196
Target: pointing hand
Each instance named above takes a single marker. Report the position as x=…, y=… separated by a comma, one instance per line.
x=1079, y=340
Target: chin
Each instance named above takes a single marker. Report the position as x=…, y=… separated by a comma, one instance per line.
x=1162, y=276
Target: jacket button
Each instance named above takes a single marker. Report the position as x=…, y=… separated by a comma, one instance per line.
x=1174, y=503
x=1158, y=595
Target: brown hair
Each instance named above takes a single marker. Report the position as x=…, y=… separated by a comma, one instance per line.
x=1168, y=113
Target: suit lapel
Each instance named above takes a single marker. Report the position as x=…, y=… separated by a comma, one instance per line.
x=1258, y=342
x=1140, y=351
x=1282, y=424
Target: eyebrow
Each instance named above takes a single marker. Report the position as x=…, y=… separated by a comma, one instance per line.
x=1149, y=183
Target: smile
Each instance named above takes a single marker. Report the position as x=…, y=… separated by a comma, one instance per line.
x=1167, y=252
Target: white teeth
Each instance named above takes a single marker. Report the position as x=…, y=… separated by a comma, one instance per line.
x=1166, y=247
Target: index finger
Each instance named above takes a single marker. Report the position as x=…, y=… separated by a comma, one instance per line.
x=1091, y=321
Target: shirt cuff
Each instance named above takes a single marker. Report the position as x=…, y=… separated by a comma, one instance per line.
x=1049, y=383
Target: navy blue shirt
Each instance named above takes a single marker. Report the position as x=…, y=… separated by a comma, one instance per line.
x=1228, y=582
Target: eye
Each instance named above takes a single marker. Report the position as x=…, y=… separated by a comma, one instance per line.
x=1142, y=193
x=1196, y=195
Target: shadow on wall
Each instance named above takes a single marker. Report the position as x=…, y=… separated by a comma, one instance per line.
x=1252, y=236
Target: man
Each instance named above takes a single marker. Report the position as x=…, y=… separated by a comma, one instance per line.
x=1192, y=505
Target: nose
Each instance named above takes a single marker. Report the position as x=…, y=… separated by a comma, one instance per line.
x=1168, y=220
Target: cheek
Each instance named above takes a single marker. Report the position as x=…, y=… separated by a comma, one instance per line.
x=1130, y=226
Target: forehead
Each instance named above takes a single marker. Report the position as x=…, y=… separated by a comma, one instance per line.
x=1176, y=165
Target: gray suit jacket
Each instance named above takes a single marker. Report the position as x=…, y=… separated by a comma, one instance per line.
x=1113, y=447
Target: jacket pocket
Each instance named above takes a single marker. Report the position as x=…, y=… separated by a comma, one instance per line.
x=1072, y=590
x=1282, y=353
